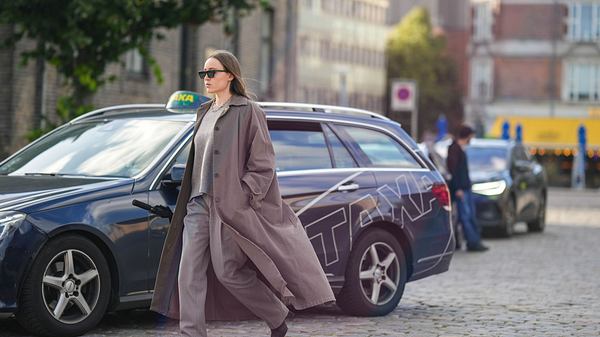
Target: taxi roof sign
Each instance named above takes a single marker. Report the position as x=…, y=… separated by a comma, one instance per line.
x=182, y=101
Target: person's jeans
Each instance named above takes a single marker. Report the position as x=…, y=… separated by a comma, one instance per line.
x=466, y=216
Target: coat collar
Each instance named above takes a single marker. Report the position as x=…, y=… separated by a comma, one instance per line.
x=236, y=100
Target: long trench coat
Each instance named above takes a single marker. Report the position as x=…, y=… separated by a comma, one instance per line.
x=246, y=198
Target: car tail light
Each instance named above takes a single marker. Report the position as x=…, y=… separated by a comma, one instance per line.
x=441, y=193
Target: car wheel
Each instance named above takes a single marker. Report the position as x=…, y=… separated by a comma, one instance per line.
x=508, y=219
x=375, y=276
x=539, y=224
x=67, y=290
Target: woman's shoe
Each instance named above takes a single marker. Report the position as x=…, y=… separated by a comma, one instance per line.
x=280, y=331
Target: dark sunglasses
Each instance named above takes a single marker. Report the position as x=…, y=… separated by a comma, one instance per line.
x=211, y=73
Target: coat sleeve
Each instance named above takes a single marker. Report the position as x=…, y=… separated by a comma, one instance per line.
x=260, y=162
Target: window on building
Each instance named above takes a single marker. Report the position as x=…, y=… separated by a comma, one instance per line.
x=307, y=4
x=135, y=63
x=355, y=7
x=582, y=82
x=324, y=49
x=361, y=10
x=380, y=14
x=584, y=22
x=481, y=79
x=482, y=21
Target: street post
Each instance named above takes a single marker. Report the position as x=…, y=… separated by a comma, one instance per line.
x=404, y=96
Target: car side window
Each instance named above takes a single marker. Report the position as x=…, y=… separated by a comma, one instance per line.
x=181, y=159
x=182, y=156
x=381, y=149
x=341, y=157
x=299, y=146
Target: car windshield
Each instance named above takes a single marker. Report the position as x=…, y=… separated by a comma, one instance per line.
x=107, y=148
x=487, y=158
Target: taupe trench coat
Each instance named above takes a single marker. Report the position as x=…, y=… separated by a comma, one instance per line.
x=246, y=198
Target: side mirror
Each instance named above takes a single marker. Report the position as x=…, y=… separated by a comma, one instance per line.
x=175, y=175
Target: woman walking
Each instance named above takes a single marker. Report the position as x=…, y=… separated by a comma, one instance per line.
x=235, y=249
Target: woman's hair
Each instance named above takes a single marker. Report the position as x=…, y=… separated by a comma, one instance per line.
x=232, y=65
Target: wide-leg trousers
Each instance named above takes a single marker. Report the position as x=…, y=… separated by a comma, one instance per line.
x=202, y=242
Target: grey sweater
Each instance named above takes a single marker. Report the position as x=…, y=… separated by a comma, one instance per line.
x=203, y=154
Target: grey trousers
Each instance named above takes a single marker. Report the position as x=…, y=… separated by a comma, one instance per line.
x=201, y=243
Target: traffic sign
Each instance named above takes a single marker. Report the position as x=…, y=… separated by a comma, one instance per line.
x=404, y=95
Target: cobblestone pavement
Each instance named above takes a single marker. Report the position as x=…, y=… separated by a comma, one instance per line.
x=531, y=285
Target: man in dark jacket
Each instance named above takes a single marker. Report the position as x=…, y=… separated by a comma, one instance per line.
x=460, y=188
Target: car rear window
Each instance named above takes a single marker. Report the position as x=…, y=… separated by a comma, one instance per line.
x=380, y=149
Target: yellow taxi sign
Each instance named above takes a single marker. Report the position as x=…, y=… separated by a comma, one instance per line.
x=185, y=101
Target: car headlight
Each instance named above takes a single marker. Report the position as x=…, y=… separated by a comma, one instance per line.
x=9, y=222
x=489, y=188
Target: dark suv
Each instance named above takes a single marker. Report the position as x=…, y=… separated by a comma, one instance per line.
x=72, y=245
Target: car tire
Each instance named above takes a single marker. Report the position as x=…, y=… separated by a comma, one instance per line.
x=364, y=275
x=538, y=224
x=67, y=290
x=506, y=229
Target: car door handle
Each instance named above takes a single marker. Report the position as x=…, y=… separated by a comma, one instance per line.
x=348, y=187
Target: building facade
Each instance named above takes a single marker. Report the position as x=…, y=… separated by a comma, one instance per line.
x=536, y=58
x=314, y=51
x=341, y=53
x=29, y=93
x=537, y=63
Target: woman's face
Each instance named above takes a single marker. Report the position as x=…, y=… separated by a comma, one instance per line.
x=222, y=80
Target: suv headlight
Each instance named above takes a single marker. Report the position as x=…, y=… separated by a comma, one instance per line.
x=9, y=222
x=489, y=188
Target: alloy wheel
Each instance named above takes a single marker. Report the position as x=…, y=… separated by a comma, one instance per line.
x=379, y=273
x=71, y=286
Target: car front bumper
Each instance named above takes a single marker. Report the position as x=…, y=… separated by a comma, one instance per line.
x=489, y=210
x=17, y=251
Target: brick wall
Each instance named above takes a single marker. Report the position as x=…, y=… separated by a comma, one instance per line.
x=18, y=92
x=523, y=78
x=6, y=92
x=21, y=108
x=130, y=89
x=211, y=36
x=520, y=21
x=456, y=46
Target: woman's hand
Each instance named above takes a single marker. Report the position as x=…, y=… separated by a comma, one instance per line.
x=260, y=165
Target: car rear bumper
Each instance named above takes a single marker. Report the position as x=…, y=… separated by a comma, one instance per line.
x=17, y=251
x=436, y=251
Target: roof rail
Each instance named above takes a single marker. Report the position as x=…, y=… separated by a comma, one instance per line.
x=117, y=107
x=321, y=108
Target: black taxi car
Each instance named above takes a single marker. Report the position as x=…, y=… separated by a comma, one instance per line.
x=73, y=246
